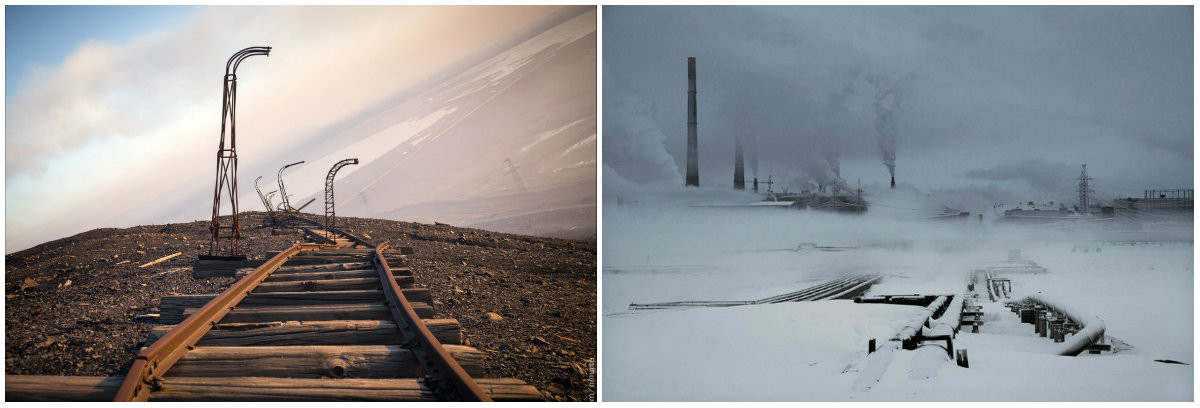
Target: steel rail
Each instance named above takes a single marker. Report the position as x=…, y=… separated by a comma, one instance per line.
x=436, y=360
x=151, y=363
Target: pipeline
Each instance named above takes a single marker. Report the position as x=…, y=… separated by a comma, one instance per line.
x=1092, y=331
x=931, y=355
x=877, y=362
x=844, y=288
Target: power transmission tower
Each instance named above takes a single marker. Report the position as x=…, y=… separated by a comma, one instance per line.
x=1083, y=190
x=226, y=181
x=330, y=216
x=516, y=177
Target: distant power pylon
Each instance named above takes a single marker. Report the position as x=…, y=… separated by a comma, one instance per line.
x=1083, y=189
x=516, y=177
x=227, y=159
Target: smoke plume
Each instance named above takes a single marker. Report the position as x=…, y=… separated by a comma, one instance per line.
x=837, y=102
x=888, y=107
x=637, y=153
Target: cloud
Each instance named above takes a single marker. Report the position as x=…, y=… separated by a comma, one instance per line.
x=1042, y=176
x=118, y=125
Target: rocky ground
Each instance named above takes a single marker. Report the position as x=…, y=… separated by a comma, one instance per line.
x=73, y=305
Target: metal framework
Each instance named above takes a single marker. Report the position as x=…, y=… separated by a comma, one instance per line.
x=266, y=199
x=226, y=180
x=284, y=205
x=512, y=169
x=330, y=216
x=1083, y=189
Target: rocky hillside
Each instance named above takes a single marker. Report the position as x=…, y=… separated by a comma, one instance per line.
x=74, y=306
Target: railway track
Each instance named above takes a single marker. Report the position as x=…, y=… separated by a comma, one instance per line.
x=844, y=288
x=337, y=320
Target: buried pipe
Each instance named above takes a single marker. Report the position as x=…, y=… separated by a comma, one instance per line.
x=876, y=363
x=1092, y=331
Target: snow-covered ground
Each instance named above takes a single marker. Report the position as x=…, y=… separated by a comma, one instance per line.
x=812, y=351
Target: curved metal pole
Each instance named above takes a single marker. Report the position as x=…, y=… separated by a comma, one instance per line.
x=266, y=200
x=226, y=175
x=330, y=216
x=243, y=54
x=283, y=191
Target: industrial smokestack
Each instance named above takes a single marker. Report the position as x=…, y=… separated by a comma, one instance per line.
x=693, y=166
x=739, y=175
x=893, y=182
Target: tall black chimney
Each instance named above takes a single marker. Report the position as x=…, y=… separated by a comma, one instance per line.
x=693, y=167
x=893, y=182
x=739, y=175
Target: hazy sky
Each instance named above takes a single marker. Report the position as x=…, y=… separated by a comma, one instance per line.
x=39, y=37
x=130, y=111
x=1012, y=97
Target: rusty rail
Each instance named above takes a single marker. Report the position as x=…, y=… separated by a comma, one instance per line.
x=151, y=363
x=450, y=377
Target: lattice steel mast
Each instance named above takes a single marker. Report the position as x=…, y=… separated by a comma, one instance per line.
x=226, y=180
x=1083, y=190
x=330, y=216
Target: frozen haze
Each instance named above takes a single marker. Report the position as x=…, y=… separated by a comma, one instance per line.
x=990, y=100
x=668, y=249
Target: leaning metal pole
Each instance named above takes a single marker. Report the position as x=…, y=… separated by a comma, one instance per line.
x=226, y=180
x=266, y=201
x=285, y=205
x=330, y=216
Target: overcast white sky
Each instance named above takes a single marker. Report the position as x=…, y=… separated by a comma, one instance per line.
x=1014, y=98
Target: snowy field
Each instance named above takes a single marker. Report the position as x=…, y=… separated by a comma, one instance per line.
x=812, y=351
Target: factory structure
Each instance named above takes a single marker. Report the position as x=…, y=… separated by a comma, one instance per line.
x=819, y=197
x=1126, y=211
x=837, y=197
x=1176, y=201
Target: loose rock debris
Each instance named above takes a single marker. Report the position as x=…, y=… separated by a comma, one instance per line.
x=541, y=288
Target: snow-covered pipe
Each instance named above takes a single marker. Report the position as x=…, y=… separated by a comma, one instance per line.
x=1092, y=331
x=875, y=366
x=953, y=314
x=877, y=362
x=930, y=356
x=991, y=293
x=915, y=325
